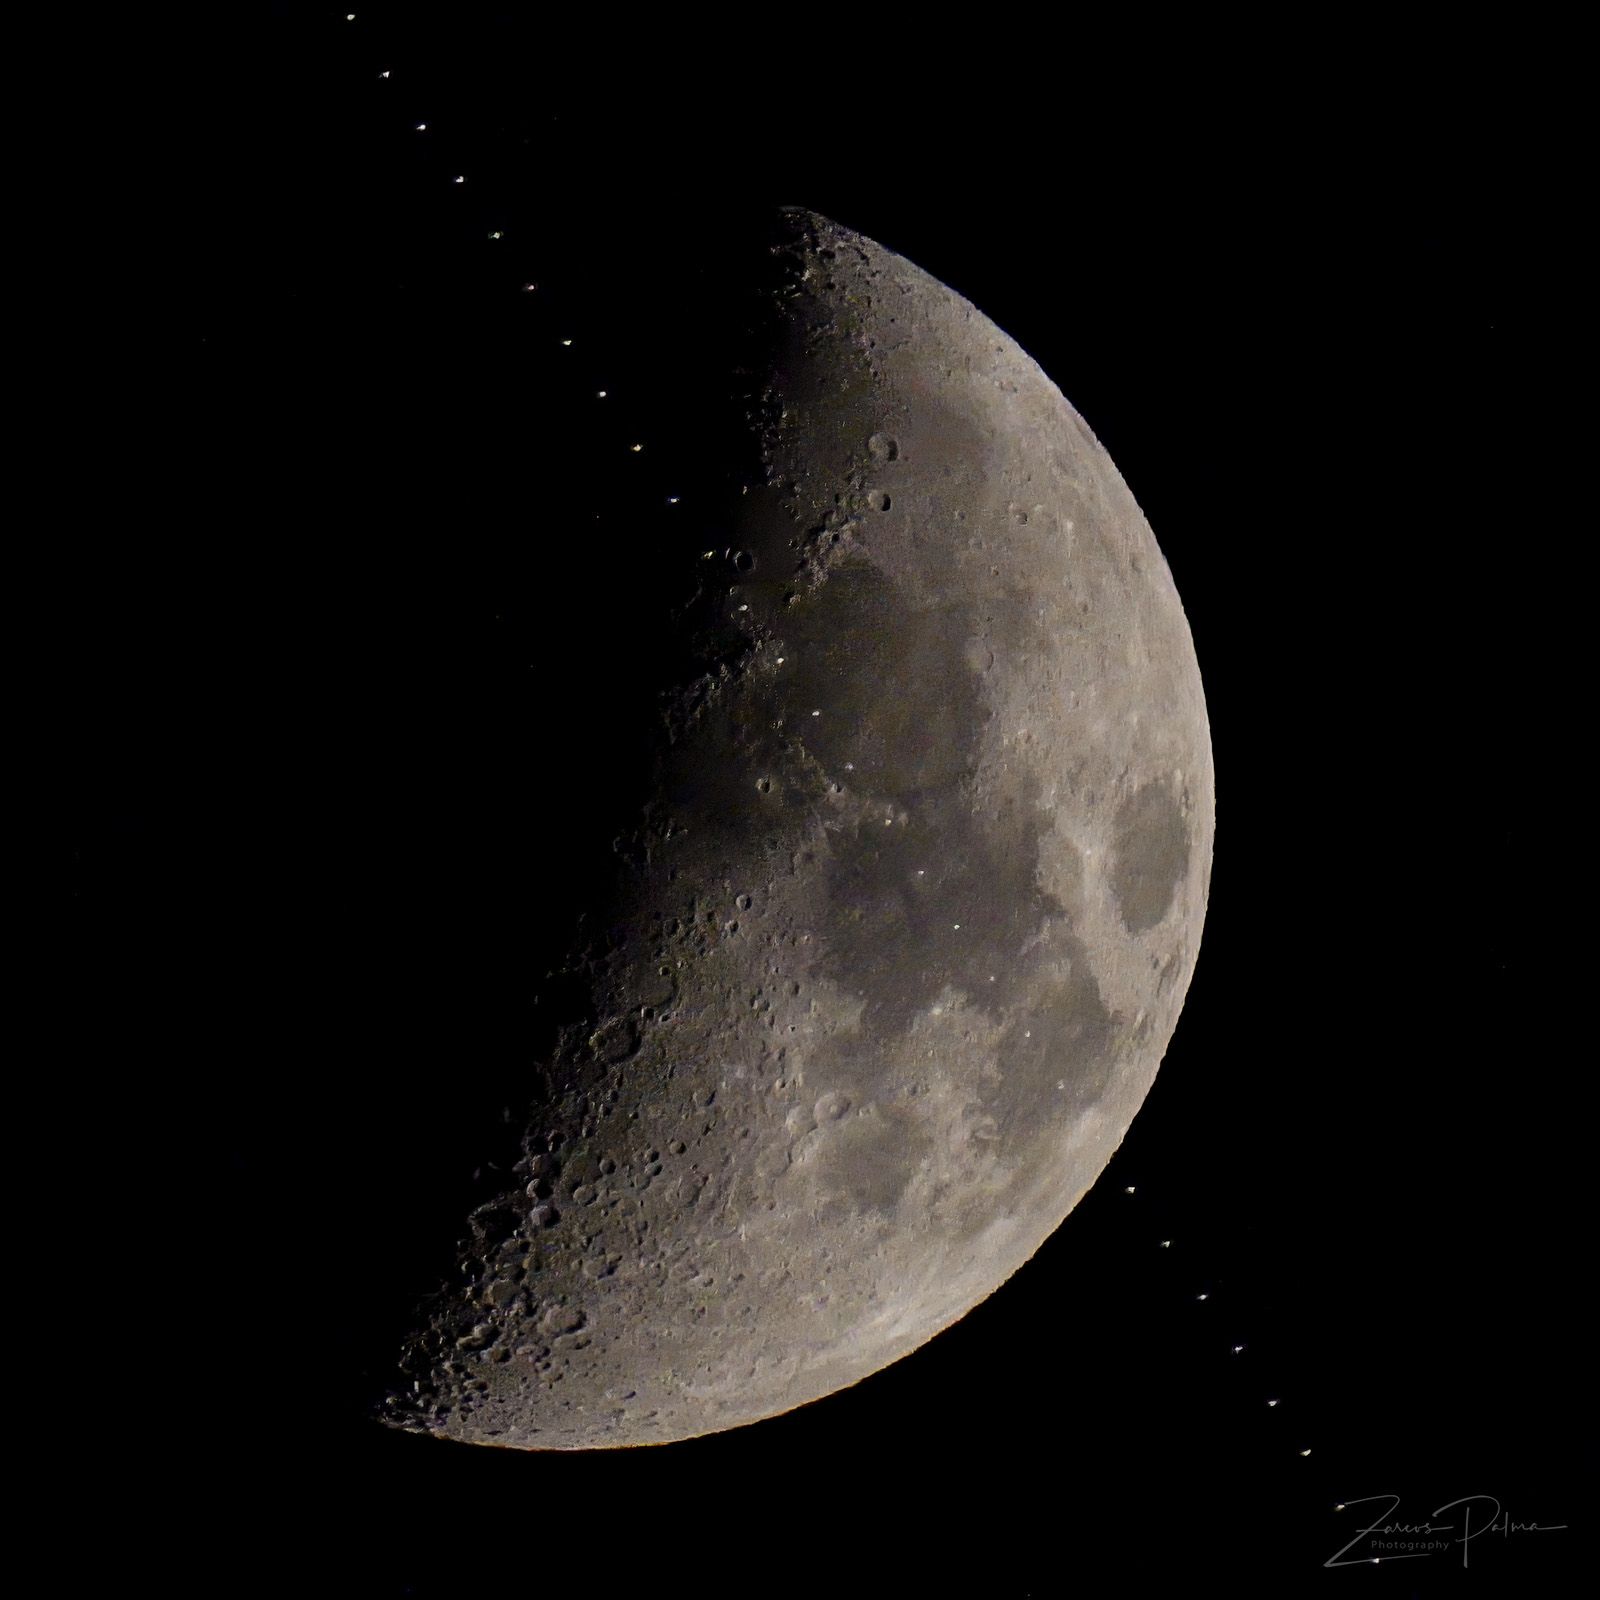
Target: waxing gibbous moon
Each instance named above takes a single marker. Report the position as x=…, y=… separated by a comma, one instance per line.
x=907, y=917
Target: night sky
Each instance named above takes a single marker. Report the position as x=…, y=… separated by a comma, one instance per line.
x=343, y=590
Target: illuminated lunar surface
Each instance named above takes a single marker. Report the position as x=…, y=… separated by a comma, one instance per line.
x=907, y=918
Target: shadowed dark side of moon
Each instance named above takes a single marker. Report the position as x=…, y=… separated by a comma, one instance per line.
x=902, y=921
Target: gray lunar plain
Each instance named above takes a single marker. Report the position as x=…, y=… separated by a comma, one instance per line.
x=909, y=921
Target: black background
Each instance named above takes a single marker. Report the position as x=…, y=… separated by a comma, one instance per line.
x=343, y=594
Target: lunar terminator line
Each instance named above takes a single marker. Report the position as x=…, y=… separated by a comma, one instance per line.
x=909, y=913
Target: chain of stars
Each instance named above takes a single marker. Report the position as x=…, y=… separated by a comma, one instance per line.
x=1206, y=1296
x=497, y=235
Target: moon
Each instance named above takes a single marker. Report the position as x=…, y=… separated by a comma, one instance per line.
x=906, y=915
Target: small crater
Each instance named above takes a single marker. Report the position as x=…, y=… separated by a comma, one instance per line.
x=883, y=448
x=562, y=1319
x=831, y=1107
x=879, y=500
